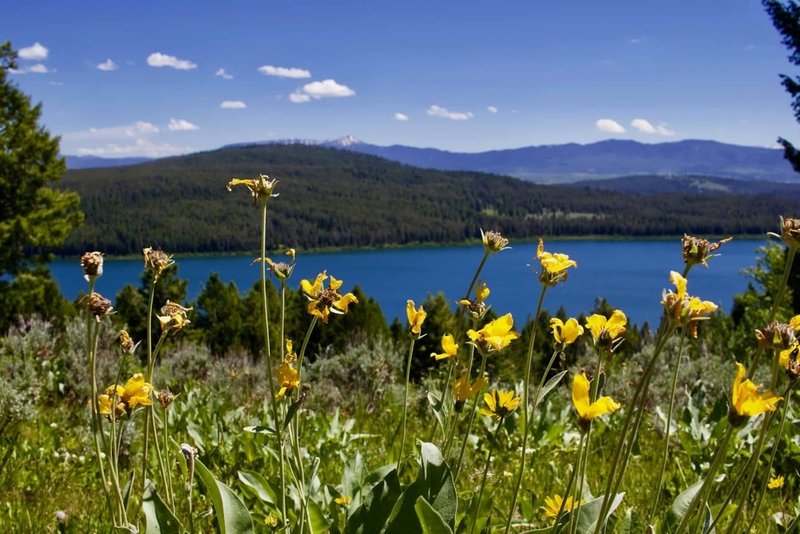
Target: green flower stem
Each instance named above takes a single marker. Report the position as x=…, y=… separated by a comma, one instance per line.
x=614, y=479
x=788, y=396
x=453, y=422
x=701, y=496
x=570, y=484
x=525, y=408
x=149, y=379
x=657, y=495
x=471, y=421
x=167, y=478
x=452, y=365
x=405, y=405
x=485, y=474
x=577, y=485
x=736, y=484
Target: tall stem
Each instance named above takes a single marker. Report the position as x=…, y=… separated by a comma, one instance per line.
x=149, y=379
x=485, y=474
x=525, y=407
x=470, y=422
x=405, y=404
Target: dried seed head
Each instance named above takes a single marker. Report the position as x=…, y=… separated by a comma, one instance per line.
x=697, y=250
x=790, y=232
x=165, y=398
x=793, y=369
x=173, y=316
x=98, y=305
x=126, y=342
x=776, y=336
x=92, y=265
x=156, y=261
x=493, y=241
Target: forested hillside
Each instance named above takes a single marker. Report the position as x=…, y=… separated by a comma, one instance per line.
x=334, y=198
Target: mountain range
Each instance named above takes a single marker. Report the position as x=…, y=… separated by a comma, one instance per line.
x=564, y=163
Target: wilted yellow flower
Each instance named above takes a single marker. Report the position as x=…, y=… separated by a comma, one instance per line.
x=682, y=309
x=449, y=346
x=173, y=316
x=790, y=232
x=746, y=401
x=134, y=393
x=775, y=482
x=156, y=261
x=493, y=241
x=586, y=409
x=500, y=403
x=92, y=265
x=477, y=307
x=553, y=504
x=495, y=335
x=565, y=333
x=554, y=266
x=343, y=501
x=280, y=270
x=324, y=301
x=126, y=342
x=607, y=330
x=288, y=378
x=463, y=390
x=777, y=336
x=260, y=188
x=415, y=318
x=696, y=250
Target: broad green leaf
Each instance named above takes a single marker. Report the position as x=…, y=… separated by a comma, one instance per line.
x=159, y=519
x=259, y=485
x=435, y=483
x=682, y=502
x=589, y=513
x=707, y=522
x=370, y=517
x=319, y=523
x=429, y=519
x=552, y=383
x=436, y=406
x=290, y=413
x=232, y=515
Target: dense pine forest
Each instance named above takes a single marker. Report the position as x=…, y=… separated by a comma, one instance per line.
x=345, y=199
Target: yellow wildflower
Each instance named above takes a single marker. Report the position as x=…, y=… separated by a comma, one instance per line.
x=324, y=301
x=775, y=482
x=288, y=378
x=500, y=403
x=682, y=309
x=586, y=409
x=290, y=355
x=134, y=393
x=449, y=346
x=463, y=390
x=415, y=318
x=477, y=307
x=554, y=266
x=173, y=316
x=553, y=504
x=565, y=333
x=260, y=188
x=607, y=330
x=746, y=401
x=495, y=335
x=343, y=501
x=493, y=241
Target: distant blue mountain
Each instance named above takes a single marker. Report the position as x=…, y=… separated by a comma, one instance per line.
x=93, y=162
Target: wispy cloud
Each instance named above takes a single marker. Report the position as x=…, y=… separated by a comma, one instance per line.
x=317, y=90
x=491, y=109
x=35, y=52
x=140, y=147
x=224, y=75
x=137, y=129
x=107, y=65
x=284, y=72
x=400, y=117
x=438, y=111
x=233, y=104
x=39, y=68
x=177, y=125
x=647, y=127
x=157, y=59
x=609, y=126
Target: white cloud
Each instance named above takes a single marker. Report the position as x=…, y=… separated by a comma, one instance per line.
x=646, y=127
x=176, y=125
x=317, y=90
x=299, y=97
x=635, y=40
x=157, y=59
x=233, y=104
x=610, y=126
x=39, y=68
x=137, y=129
x=36, y=52
x=437, y=111
x=400, y=117
x=224, y=75
x=107, y=65
x=492, y=109
x=284, y=72
x=140, y=147
x=56, y=83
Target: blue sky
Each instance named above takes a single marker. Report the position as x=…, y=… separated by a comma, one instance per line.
x=161, y=78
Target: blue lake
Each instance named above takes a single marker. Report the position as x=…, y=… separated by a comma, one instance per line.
x=630, y=274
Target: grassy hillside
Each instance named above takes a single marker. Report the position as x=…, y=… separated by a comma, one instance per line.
x=335, y=198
